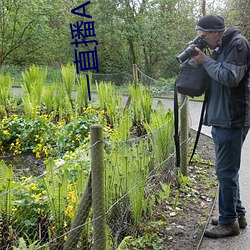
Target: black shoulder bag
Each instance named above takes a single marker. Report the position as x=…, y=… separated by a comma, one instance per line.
x=191, y=81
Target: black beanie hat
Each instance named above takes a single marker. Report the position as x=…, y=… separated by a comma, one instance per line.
x=211, y=23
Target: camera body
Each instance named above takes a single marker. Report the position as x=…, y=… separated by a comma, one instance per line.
x=190, y=51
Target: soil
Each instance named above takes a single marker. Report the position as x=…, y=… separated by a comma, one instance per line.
x=25, y=164
x=188, y=221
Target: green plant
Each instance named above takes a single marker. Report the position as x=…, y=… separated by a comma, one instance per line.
x=23, y=134
x=161, y=128
x=23, y=246
x=30, y=208
x=48, y=98
x=6, y=196
x=164, y=191
x=5, y=90
x=121, y=130
x=110, y=102
x=141, y=104
x=82, y=95
x=126, y=172
x=56, y=187
x=33, y=86
x=68, y=79
x=184, y=181
x=43, y=137
x=147, y=241
x=176, y=199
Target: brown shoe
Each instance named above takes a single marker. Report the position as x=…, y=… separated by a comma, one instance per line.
x=241, y=219
x=221, y=231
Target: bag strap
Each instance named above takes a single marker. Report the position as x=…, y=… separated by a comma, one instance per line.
x=176, y=126
x=199, y=127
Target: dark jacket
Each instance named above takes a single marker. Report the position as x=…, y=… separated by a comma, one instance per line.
x=229, y=90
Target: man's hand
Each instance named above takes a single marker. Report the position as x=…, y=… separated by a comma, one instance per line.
x=200, y=58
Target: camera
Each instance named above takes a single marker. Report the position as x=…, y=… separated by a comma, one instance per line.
x=190, y=51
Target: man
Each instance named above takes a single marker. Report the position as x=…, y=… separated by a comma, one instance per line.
x=228, y=112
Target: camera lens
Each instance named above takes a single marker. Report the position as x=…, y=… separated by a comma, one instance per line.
x=187, y=53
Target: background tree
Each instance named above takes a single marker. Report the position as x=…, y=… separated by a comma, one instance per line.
x=34, y=32
x=149, y=33
x=237, y=12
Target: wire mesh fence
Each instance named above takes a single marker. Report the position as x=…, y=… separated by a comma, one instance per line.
x=55, y=210
x=158, y=87
x=46, y=210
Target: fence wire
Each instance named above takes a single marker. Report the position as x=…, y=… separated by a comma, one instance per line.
x=41, y=211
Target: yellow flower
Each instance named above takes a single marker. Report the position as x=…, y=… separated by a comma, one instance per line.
x=69, y=211
x=17, y=152
x=31, y=187
x=45, y=151
x=37, y=196
x=14, y=209
x=6, y=132
x=38, y=156
x=73, y=199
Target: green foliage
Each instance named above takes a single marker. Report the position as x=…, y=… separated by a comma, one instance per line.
x=126, y=172
x=161, y=126
x=82, y=98
x=34, y=82
x=43, y=137
x=30, y=206
x=6, y=184
x=128, y=161
x=30, y=245
x=48, y=98
x=33, y=32
x=184, y=181
x=68, y=79
x=5, y=90
x=110, y=102
x=57, y=188
x=164, y=191
x=146, y=33
x=122, y=127
x=147, y=241
x=141, y=103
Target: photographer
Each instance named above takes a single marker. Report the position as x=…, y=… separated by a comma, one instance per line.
x=228, y=112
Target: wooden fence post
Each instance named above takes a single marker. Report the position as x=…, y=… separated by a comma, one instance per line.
x=135, y=74
x=184, y=135
x=98, y=194
x=80, y=218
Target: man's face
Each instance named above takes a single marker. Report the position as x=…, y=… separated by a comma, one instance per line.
x=211, y=38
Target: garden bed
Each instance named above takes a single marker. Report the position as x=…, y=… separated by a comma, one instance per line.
x=178, y=222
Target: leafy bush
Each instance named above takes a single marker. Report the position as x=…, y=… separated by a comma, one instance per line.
x=44, y=138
